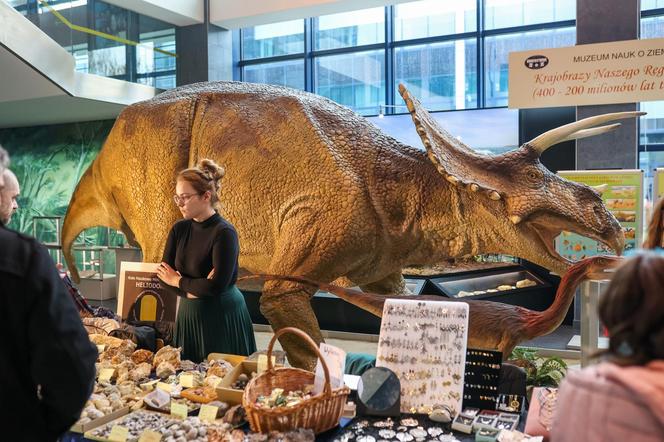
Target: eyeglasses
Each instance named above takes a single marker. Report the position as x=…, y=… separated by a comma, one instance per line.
x=184, y=198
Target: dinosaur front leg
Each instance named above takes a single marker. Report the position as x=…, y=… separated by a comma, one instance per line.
x=288, y=305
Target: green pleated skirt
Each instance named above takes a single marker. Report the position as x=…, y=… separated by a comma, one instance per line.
x=215, y=324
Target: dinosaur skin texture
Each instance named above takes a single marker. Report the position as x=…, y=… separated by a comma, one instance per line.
x=317, y=191
x=491, y=325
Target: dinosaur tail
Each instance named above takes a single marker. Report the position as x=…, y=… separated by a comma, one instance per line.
x=370, y=302
x=90, y=206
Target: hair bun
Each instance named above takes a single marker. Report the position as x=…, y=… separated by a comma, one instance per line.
x=209, y=167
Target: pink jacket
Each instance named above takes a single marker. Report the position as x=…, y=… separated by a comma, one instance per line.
x=609, y=403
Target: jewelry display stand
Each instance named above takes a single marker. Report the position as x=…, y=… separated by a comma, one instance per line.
x=481, y=379
x=424, y=344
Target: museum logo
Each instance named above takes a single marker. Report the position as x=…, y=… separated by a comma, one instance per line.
x=536, y=61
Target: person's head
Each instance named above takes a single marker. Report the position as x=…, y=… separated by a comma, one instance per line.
x=8, y=196
x=656, y=227
x=632, y=310
x=4, y=164
x=197, y=188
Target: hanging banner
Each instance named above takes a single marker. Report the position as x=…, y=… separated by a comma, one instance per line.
x=617, y=72
x=623, y=197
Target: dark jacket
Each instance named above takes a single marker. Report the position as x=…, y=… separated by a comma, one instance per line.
x=47, y=363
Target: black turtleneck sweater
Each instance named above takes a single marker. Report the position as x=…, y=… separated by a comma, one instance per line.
x=195, y=248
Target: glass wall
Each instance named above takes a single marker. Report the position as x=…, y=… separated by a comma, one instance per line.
x=497, y=49
x=651, y=136
x=107, y=40
x=436, y=48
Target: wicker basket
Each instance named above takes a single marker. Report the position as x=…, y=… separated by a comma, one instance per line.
x=320, y=412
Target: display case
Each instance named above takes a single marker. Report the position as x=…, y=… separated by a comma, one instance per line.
x=338, y=315
x=524, y=284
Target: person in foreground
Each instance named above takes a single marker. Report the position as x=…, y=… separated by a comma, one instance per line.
x=200, y=264
x=47, y=363
x=655, y=238
x=622, y=398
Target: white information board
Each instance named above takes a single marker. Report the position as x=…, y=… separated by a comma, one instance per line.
x=424, y=343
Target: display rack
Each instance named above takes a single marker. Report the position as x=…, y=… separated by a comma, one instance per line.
x=95, y=284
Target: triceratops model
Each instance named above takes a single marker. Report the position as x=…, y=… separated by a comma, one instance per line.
x=317, y=191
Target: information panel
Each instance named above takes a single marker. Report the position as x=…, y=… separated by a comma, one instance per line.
x=623, y=197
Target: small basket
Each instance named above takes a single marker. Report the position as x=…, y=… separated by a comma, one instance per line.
x=319, y=413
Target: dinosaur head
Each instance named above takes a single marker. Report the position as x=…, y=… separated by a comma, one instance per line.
x=531, y=204
x=601, y=266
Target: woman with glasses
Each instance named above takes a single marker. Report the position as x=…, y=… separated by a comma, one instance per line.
x=200, y=264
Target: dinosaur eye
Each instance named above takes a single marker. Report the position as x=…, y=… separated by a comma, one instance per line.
x=534, y=177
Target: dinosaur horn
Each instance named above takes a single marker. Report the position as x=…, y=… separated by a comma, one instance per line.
x=579, y=129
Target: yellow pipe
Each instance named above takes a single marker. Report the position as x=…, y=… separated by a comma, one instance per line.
x=99, y=33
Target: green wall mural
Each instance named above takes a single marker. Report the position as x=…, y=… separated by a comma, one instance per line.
x=48, y=162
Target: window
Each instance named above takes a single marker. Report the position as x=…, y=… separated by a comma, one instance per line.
x=496, y=57
x=348, y=29
x=285, y=73
x=431, y=18
x=442, y=75
x=355, y=80
x=273, y=40
x=651, y=4
x=509, y=13
x=652, y=27
x=434, y=47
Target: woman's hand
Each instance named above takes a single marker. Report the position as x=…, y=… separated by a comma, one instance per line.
x=167, y=274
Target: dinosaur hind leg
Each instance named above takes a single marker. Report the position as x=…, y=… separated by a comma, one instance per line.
x=288, y=305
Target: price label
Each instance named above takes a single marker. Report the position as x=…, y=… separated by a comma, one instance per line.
x=101, y=348
x=262, y=363
x=164, y=386
x=208, y=413
x=106, y=374
x=118, y=434
x=187, y=380
x=179, y=410
x=150, y=436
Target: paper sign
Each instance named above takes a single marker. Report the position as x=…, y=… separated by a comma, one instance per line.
x=208, y=413
x=101, y=348
x=150, y=436
x=187, y=380
x=179, y=410
x=142, y=296
x=336, y=363
x=106, y=374
x=351, y=381
x=262, y=363
x=164, y=386
x=118, y=434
